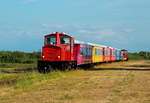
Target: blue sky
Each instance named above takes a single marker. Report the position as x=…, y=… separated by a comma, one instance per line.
x=116, y=23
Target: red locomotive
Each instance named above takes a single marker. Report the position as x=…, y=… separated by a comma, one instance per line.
x=60, y=51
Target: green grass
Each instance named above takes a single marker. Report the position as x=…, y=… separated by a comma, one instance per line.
x=24, y=75
x=23, y=80
x=134, y=56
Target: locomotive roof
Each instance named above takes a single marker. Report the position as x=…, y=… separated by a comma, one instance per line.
x=54, y=33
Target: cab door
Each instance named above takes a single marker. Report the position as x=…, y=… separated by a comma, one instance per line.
x=66, y=47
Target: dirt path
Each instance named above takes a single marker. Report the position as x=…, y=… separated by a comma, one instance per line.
x=127, y=82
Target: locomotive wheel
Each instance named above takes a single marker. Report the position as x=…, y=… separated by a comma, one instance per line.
x=69, y=67
x=48, y=69
x=74, y=66
x=45, y=69
x=66, y=67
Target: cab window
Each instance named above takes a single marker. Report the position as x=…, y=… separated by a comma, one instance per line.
x=64, y=40
x=51, y=40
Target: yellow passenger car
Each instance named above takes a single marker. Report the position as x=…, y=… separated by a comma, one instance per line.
x=97, y=54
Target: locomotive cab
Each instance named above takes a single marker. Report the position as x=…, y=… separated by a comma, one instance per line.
x=57, y=51
x=58, y=47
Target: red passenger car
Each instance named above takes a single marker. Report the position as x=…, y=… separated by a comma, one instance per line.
x=113, y=54
x=107, y=54
x=124, y=53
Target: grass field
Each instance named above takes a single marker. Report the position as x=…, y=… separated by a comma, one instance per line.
x=121, y=82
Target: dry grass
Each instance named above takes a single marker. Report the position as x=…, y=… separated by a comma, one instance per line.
x=121, y=82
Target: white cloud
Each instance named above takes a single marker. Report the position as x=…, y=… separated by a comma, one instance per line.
x=128, y=30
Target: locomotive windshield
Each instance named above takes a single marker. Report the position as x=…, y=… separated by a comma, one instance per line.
x=65, y=40
x=51, y=40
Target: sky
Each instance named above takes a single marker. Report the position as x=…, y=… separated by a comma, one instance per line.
x=117, y=23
